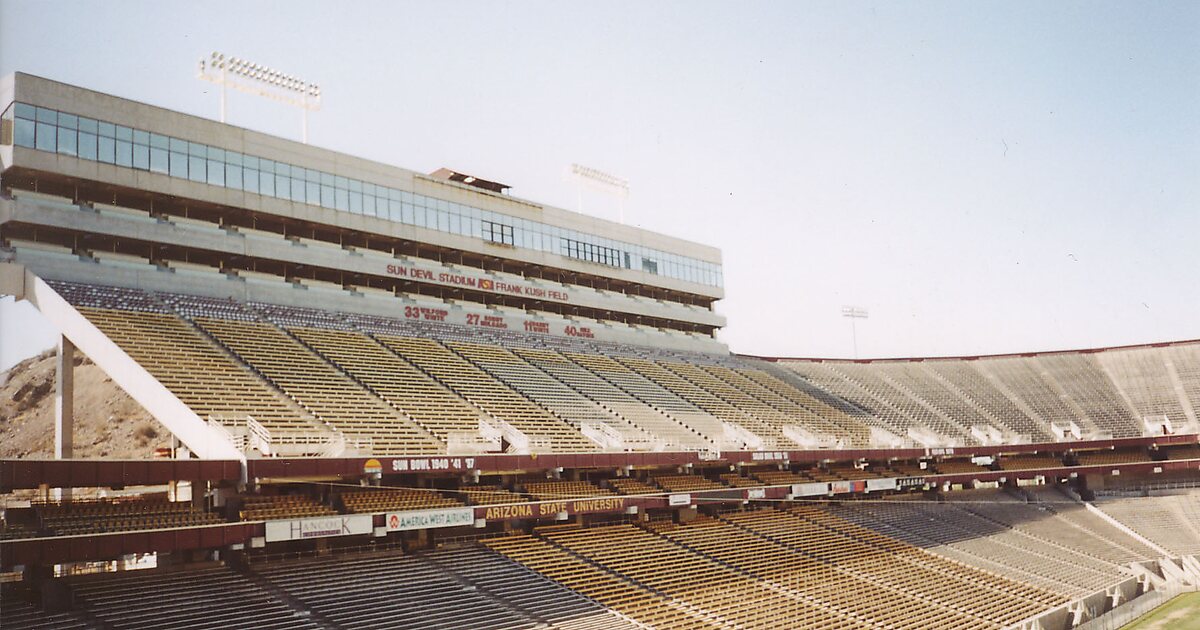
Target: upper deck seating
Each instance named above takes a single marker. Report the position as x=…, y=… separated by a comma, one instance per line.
x=198, y=372
x=321, y=388
x=550, y=394
x=877, y=380
x=650, y=393
x=1143, y=376
x=625, y=485
x=485, y=392
x=407, y=388
x=489, y=495
x=814, y=414
x=686, y=483
x=1029, y=462
x=1090, y=388
x=1094, y=458
x=986, y=393
x=1024, y=381
x=663, y=427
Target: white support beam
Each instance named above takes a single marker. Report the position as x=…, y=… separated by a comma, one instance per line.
x=176, y=416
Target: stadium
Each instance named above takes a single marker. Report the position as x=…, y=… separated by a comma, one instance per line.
x=414, y=400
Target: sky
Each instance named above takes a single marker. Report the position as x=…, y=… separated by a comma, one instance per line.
x=982, y=177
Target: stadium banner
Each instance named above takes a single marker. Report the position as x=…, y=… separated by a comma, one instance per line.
x=438, y=275
x=550, y=509
x=323, y=527
x=810, y=489
x=846, y=487
x=904, y=483
x=756, y=493
x=429, y=519
x=874, y=485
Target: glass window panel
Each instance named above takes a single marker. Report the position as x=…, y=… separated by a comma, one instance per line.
x=312, y=192
x=47, y=137
x=250, y=161
x=341, y=182
x=178, y=164
x=178, y=145
x=394, y=211
x=47, y=116
x=327, y=196
x=159, y=162
x=341, y=199
x=266, y=166
x=141, y=156
x=197, y=149
x=106, y=149
x=455, y=224
x=196, y=168
x=124, y=133
x=23, y=132
x=215, y=153
x=124, y=153
x=233, y=158
x=369, y=205
x=250, y=179
x=108, y=130
x=327, y=179
x=159, y=141
x=216, y=172
x=87, y=145
x=233, y=176
x=28, y=112
x=298, y=189
x=141, y=137
x=406, y=213
x=266, y=183
x=356, y=202
x=393, y=194
x=355, y=185
x=283, y=169
x=88, y=125
x=283, y=185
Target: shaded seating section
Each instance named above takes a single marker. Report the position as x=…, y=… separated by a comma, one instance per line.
x=780, y=477
x=199, y=372
x=96, y=517
x=214, y=598
x=734, y=480
x=488, y=394
x=1095, y=458
x=1082, y=379
x=490, y=495
x=606, y=587
x=626, y=485
x=19, y=611
x=839, y=421
x=986, y=393
x=718, y=592
x=1184, y=452
x=534, y=595
x=389, y=590
x=663, y=427
x=1027, y=462
x=272, y=507
x=957, y=467
x=565, y=403
x=321, y=388
x=550, y=490
x=699, y=397
x=408, y=389
x=385, y=500
x=650, y=393
x=1171, y=521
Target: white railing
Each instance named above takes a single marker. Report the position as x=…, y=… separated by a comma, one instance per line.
x=740, y=436
x=602, y=434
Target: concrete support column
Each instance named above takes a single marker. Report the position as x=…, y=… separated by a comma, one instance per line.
x=64, y=407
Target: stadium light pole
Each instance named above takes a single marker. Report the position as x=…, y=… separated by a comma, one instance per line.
x=605, y=182
x=854, y=313
x=260, y=80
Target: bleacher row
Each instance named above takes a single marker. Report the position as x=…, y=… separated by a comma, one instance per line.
x=412, y=386
x=988, y=559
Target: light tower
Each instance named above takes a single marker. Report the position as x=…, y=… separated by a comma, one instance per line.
x=604, y=182
x=259, y=80
x=854, y=313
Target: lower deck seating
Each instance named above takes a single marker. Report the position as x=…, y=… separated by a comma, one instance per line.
x=94, y=517
x=19, y=611
x=489, y=495
x=625, y=485
x=552, y=490
x=686, y=483
x=213, y=598
x=263, y=508
x=385, y=499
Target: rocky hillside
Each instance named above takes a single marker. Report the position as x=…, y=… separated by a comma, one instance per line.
x=108, y=423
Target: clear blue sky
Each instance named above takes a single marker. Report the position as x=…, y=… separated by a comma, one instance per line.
x=984, y=177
